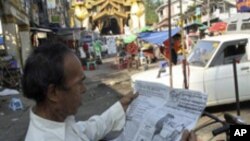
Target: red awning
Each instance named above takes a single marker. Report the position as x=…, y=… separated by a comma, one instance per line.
x=219, y=26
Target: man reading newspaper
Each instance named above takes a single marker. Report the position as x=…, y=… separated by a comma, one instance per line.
x=162, y=114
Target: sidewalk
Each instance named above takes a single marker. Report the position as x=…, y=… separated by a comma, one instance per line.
x=13, y=124
x=105, y=86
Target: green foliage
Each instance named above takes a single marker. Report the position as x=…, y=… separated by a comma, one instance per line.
x=150, y=7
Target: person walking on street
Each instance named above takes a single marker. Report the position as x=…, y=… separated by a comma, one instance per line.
x=98, y=48
x=82, y=56
x=176, y=47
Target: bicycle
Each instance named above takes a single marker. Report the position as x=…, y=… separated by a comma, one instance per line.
x=9, y=76
x=225, y=128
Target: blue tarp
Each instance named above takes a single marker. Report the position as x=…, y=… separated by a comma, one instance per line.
x=157, y=37
x=1, y=40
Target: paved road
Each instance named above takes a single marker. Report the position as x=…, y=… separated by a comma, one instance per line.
x=206, y=133
x=105, y=86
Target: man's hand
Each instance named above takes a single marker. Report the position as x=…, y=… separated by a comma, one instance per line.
x=188, y=136
x=127, y=99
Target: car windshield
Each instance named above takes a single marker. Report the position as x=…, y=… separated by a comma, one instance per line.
x=202, y=53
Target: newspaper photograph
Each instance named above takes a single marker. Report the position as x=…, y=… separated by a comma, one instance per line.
x=161, y=113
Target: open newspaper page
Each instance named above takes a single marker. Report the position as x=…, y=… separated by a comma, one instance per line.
x=161, y=113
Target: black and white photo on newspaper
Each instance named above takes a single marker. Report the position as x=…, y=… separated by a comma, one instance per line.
x=161, y=113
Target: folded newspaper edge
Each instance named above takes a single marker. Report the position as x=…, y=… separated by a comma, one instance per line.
x=161, y=113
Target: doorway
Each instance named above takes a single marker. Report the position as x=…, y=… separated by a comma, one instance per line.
x=110, y=26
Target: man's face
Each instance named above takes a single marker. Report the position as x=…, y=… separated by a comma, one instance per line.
x=70, y=99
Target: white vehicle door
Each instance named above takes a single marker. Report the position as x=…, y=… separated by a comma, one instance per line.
x=219, y=76
x=200, y=57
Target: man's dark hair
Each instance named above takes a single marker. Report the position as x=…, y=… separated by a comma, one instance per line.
x=177, y=36
x=44, y=66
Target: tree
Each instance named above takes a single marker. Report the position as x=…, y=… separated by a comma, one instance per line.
x=150, y=6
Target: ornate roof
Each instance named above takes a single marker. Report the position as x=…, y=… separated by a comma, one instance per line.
x=102, y=8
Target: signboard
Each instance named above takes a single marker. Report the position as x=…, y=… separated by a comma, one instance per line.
x=51, y=4
x=243, y=5
x=1, y=40
x=55, y=19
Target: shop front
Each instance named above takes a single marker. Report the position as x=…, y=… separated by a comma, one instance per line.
x=15, y=32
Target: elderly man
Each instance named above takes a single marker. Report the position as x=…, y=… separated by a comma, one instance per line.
x=53, y=77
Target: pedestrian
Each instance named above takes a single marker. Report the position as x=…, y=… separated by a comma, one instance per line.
x=82, y=55
x=132, y=52
x=86, y=49
x=121, y=56
x=176, y=47
x=54, y=78
x=98, y=48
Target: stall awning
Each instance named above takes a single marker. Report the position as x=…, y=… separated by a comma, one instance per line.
x=157, y=37
x=40, y=29
x=219, y=26
x=194, y=24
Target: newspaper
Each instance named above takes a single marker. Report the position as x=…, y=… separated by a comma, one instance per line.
x=161, y=113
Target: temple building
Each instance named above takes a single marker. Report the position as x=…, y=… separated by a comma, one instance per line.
x=108, y=17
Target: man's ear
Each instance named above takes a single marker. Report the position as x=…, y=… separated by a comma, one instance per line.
x=53, y=94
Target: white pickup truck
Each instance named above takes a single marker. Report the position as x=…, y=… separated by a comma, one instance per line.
x=211, y=70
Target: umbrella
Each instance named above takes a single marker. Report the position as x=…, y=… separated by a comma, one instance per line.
x=204, y=27
x=219, y=26
x=146, y=28
x=129, y=39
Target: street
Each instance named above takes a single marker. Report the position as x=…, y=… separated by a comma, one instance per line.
x=104, y=87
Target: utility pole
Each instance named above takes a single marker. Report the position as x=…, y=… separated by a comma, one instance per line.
x=65, y=8
x=208, y=13
x=183, y=48
x=170, y=44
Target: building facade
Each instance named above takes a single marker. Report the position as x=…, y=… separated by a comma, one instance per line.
x=25, y=24
x=108, y=17
x=15, y=29
x=200, y=11
x=162, y=12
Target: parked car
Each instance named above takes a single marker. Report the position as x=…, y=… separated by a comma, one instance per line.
x=211, y=69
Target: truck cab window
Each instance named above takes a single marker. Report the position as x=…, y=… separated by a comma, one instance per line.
x=230, y=51
x=234, y=52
